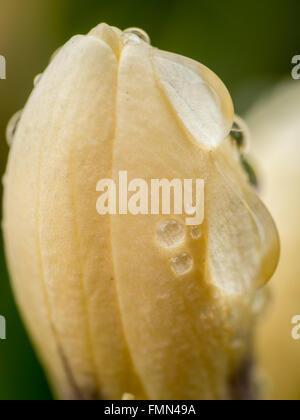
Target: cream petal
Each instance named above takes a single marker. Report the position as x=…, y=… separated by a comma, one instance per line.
x=59, y=250
x=199, y=98
x=242, y=238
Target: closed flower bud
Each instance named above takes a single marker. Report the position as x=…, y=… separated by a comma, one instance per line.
x=124, y=304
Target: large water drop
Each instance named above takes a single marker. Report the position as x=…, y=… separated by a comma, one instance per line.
x=139, y=33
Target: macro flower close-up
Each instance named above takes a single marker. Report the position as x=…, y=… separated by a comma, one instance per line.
x=142, y=217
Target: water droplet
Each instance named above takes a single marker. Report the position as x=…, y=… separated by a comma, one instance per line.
x=12, y=127
x=196, y=232
x=182, y=264
x=170, y=234
x=37, y=79
x=139, y=33
x=131, y=39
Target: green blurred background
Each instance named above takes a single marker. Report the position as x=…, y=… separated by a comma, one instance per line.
x=248, y=44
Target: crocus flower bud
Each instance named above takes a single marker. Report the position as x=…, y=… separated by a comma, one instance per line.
x=119, y=304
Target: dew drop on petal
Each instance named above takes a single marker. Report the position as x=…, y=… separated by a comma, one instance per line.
x=37, y=79
x=131, y=39
x=139, y=33
x=182, y=264
x=12, y=127
x=170, y=234
x=196, y=232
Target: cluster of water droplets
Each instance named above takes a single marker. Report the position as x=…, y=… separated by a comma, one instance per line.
x=172, y=234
